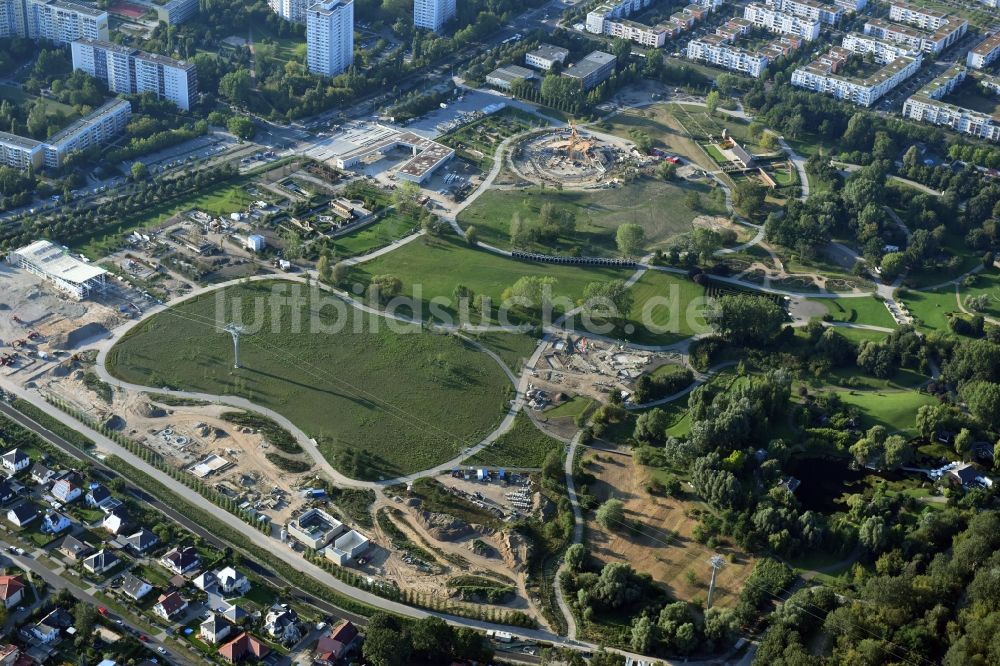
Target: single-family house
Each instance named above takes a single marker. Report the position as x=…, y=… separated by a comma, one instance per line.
x=235, y=614
x=243, y=647
x=170, y=605
x=9, y=654
x=214, y=629
x=41, y=474
x=135, y=587
x=232, y=582
x=55, y=522
x=139, y=542
x=116, y=520
x=15, y=461
x=97, y=495
x=66, y=491
x=282, y=624
x=23, y=513
x=47, y=629
x=181, y=560
x=334, y=646
x=100, y=562
x=205, y=581
x=962, y=474
x=7, y=491
x=74, y=549
x=11, y=590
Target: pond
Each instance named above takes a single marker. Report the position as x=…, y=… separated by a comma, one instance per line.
x=826, y=480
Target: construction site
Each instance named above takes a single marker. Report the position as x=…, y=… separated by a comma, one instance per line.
x=577, y=365
x=571, y=158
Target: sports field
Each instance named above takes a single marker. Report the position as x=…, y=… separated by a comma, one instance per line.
x=410, y=399
x=658, y=207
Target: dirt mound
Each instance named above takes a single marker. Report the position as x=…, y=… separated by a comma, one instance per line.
x=149, y=410
x=78, y=336
x=443, y=527
x=60, y=370
x=515, y=550
x=114, y=422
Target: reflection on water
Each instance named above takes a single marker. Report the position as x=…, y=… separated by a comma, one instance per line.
x=826, y=480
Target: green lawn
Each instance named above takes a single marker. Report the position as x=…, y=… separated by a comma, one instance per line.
x=857, y=335
x=657, y=206
x=570, y=409
x=513, y=348
x=985, y=284
x=378, y=234
x=667, y=308
x=869, y=310
x=408, y=399
x=433, y=267
x=524, y=445
x=896, y=411
x=930, y=309
x=220, y=199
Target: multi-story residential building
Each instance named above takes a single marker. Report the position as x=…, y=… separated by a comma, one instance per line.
x=851, y=5
x=13, y=19
x=883, y=51
x=175, y=12
x=652, y=36
x=130, y=71
x=612, y=10
x=62, y=22
x=432, y=14
x=825, y=75
x=927, y=106
x=102, y=126
x=716, y=50
x=780, y=22
x=921, y=40
x=546, y=56
x=991, y=3
x=291, y=10
x=594, y=68
x=925, y=19
x=330, y=37
x=21, y=152
x=810, y=9
x=984, y=53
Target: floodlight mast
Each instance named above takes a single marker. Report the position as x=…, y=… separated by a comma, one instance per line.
x=235, y=331
x=716, y=562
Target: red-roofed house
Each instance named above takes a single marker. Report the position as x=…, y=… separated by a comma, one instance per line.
x=330, y=649
x=244, y=647
x=11, y=590
x=170, y=605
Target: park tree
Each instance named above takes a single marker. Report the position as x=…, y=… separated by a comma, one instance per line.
x=139, y=172
x=472, y=236
x=323, y=269
x=386, y=644
x=746, y=319
x=630, y=238
x=983, y=400
x=531, y=291
x=748, y=196
x=432, y=638
x=236, y=86
x=712, y=101
x=666, y=171
x=651, y=426
x=616, y=586
x=339, y=273
x=963, y=441
x=892, y=266
x=642, y=635
x=611, y=514
x=612, y=300
x=576, y=557
x=241, y=126
x=384, y=287
x=84, y=618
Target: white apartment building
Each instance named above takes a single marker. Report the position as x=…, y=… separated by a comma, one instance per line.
x=21, y=152
x=984, y=53
x=916, y=38
x=926, y=106
x=63, y=22
x=130, y=71
x=330, y=37
x=822, y=76
x=13, y=14
x=810, y=9
x=432, y=14
x=925, y=19
x=780, y=22
x=991, y=3
x=851, y=5
x=652, y=36
x=100, y=127
x=291, y=10
x=884, y=52
x=715, y=50
x=612, y=10
x=546, y=56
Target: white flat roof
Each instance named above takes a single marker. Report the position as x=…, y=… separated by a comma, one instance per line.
x=56, y=262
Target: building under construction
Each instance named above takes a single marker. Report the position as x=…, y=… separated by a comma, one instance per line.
x=54, y=264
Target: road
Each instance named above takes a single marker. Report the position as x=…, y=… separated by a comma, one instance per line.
x=29, y=563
